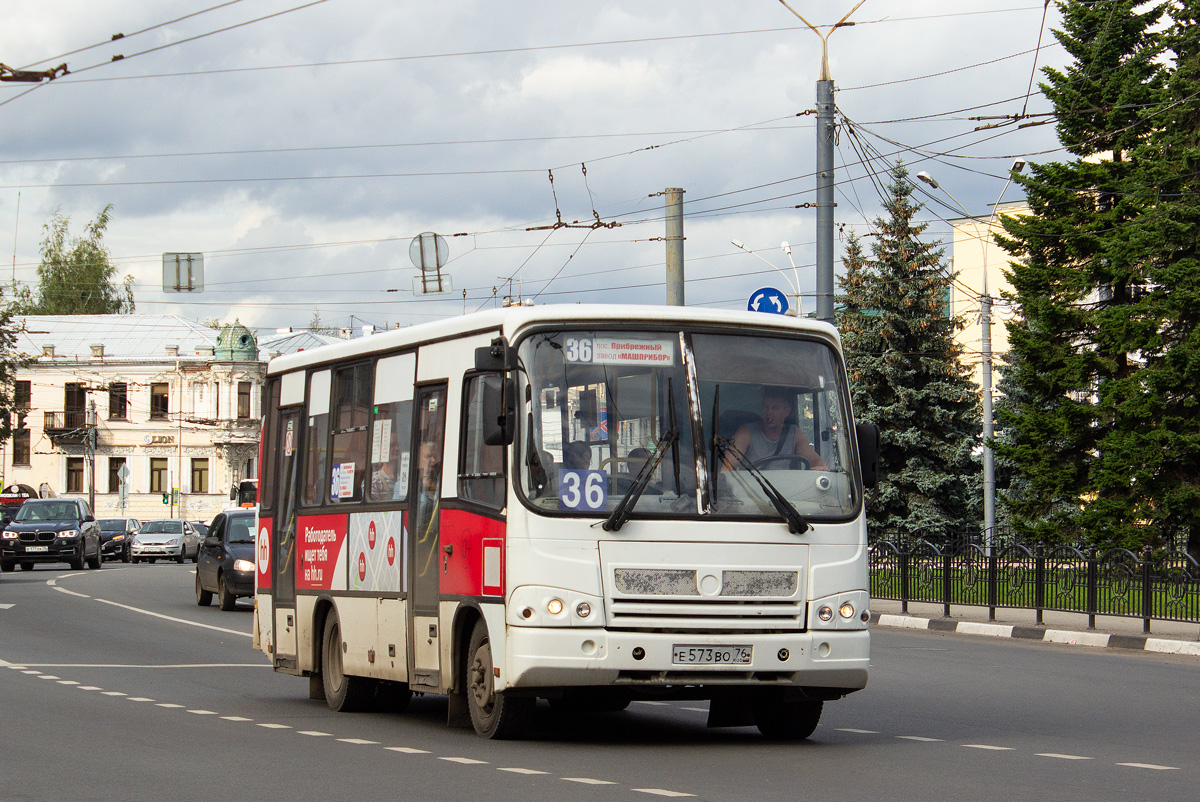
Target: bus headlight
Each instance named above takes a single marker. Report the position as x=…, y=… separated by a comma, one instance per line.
x=541, y=606
x=825, y=613
x=846, y=610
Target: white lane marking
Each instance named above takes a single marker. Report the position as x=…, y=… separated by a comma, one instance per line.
x=656, y=704
x=114, y=693
x=67, y=682
x=408, y=750
x=357, y=741
x=140, y=699
x=47, y=676
x=314, y=733
x=235, y=718
x=72, y=593
x=173, y=618
x=1062, y=757
x=860, y=732
x=6, y=606
x=660, y=792
x=146, y=665
x=90, y=688
x=587, y=781
x=203, y=712
x=31, y=671
x=989, y=747
x=522, y=771
x=275, y=726
x=694, y=710
x=12, y=666
x=1152, y=766
x=466, y=761
x=171, y=705
x=920, y=738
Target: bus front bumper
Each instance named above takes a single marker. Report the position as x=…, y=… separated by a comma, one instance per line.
x=570, y=657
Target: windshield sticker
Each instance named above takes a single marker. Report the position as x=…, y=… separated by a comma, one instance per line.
x=619, y=351
x=582, y=490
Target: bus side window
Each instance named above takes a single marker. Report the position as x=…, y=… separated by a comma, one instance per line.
x=352, y=411
x=481, y=467
x=316, y=440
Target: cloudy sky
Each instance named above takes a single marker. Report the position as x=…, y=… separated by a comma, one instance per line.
x=300, y=146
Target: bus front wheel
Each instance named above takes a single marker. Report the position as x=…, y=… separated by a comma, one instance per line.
x=343, y=693
x=791, y=720
x=493, y=714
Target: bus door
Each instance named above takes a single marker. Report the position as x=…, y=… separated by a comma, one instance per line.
x=424, y=514
x=283, y=582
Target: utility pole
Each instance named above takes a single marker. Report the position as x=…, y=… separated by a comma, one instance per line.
x=674, y=239
x=91, y=442
x=826, y=129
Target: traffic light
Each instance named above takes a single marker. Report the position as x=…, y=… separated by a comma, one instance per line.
x=166, y=498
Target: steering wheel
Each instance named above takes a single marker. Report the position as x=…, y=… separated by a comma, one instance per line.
x=793, y=460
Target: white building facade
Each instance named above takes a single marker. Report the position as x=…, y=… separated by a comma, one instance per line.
x=132, y=407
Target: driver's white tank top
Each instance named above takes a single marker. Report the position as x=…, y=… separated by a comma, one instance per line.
x=761, y=447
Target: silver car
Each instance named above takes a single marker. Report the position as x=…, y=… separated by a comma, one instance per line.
x=169, y=539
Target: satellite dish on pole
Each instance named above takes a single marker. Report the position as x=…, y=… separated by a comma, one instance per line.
x=429, y=252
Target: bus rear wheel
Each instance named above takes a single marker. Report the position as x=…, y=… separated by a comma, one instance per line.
x=493, y=714
x=343, y=693
x=791, y=720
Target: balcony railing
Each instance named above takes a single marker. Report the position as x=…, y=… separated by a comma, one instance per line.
x=69, y=427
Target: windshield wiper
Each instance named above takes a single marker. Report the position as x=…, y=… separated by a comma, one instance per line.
x=621, y=513
x=796, y=522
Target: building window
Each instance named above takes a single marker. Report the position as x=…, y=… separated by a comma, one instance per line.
x=118, y=401
x=158, y=475
x=74, y=474
x=243, y=411
x=20, y=440
x=159, y=395
x=22, y=394
x=114, y=473
x=200, y=475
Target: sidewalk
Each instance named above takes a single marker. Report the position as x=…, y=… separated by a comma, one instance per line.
x=1170, y=637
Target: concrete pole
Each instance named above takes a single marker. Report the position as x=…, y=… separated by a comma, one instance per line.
x=674, y=238
x=825, y=134
x=91, y=440
x=989, y=463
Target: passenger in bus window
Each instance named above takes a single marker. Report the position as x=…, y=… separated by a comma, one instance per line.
x=384, y=484
x=771, y=441
x=577, y=456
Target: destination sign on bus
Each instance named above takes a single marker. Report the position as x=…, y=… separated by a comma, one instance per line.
x=620, y=351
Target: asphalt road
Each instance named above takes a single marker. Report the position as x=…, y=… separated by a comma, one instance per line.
x=114, y=685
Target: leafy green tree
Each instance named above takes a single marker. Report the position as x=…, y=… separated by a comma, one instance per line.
x=76, y=275
x=908, y=378
x=10, y=362
x=1078, y=276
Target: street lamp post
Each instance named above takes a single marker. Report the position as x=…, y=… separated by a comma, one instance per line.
x=985, y=328
x=795, y=287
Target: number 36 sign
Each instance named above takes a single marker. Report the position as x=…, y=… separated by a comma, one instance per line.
x=582, y=490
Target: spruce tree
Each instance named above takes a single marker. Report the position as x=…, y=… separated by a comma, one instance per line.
x=907, y=377
x=1076, y=276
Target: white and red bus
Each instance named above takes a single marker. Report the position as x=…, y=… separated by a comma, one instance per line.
x=572, y=503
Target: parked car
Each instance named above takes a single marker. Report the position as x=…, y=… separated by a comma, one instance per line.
x=201, y=529
x=116, y=537
x=51, y=530
x=169, y=539
x=226, y=565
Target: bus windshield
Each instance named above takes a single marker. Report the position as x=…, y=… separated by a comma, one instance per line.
x=605, y=407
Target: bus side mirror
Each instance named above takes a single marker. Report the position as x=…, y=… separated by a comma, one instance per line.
x=499, y=410
x=868, y=452
x=233, y=493
x=496, y=357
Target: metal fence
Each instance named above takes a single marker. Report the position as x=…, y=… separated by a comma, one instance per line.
x=1118, y=582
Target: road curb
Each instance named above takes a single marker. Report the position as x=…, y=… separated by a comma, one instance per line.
x=1103, y=640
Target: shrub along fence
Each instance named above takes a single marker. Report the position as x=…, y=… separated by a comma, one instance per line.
x=1164, y=585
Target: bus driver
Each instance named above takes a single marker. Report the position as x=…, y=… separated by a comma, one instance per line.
x=774, y=436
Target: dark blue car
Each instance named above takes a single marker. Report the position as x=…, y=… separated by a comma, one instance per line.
x=226, y=563
x=51, y=530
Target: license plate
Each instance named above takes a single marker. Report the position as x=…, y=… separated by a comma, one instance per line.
x=710, y=655
x=29, y=549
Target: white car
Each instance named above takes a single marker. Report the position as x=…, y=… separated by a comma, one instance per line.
x=170, y=539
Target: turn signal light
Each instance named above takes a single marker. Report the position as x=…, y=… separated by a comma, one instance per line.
x=554, y=606
x=825, y=613
x=846, y=610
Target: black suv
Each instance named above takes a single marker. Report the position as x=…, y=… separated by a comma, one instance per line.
x=226, y=564
x=51, y=530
